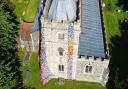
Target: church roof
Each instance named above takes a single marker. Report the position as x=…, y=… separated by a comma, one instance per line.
x=26, y=29
x=91, y=38
x=62, y=10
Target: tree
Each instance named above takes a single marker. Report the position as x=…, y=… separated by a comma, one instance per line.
x=118, y=77
x=120, y=83
x=9, y=65
x=124, y=4
x=110, y=5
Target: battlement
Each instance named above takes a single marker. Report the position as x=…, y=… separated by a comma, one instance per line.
x=96, y=59
x=58, y=25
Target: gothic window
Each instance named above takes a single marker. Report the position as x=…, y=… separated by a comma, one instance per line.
x=88, y=69
x=61, y=36
x=61, y=67
x=60, y=50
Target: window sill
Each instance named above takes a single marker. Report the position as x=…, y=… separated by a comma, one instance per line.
x=88, y=73
x=61, y=72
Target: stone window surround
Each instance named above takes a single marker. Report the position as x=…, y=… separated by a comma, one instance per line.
x=60, y=36
x=60, y=51
x=88, y=73
x=61, y=68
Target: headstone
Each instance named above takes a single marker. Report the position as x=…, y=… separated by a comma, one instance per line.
x=61, y=81
x=27, y=75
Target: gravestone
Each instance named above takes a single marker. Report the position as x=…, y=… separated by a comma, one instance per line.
x=27, y=75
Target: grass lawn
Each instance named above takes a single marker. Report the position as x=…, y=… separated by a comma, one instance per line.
x=31, y=11
x=21, y=55
x=28, y=7
x=53, y=84
x=111, y=19
x=34, y=80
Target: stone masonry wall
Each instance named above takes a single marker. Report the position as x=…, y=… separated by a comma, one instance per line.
x=53, y=43
x=98, y=67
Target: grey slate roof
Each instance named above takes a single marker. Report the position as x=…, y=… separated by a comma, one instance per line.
x=91, y=38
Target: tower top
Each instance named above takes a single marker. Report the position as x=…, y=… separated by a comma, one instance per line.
x=63, y=10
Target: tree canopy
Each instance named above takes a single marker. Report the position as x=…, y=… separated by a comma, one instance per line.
x=123, y=4
x=9, y=65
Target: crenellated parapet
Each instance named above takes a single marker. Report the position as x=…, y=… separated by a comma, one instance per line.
x=92, y=69
x=96, y=59
x=59, y=25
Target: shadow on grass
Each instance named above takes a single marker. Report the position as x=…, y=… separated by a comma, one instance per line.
x=118, y=77
x=124, y=4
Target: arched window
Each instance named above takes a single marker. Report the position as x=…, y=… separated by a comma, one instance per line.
x=88, y=69
x=61, y=67
x=60, y=50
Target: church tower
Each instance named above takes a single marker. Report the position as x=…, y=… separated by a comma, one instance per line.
x=72, y=41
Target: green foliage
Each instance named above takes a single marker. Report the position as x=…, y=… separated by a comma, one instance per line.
x=6, y=77
x=120, y=84
x=123, y=4
x=110, y=5
x=9, y=65
x=26, y=9
x=30, y=12
x=111, y=19
x=34, y=80
x=20, y=6
x=117, y=49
